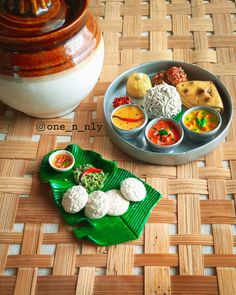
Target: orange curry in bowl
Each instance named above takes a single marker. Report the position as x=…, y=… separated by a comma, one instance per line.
x=62, y=161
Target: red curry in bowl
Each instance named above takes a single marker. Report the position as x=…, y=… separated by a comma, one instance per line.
x=163, y=133
x=61, y=160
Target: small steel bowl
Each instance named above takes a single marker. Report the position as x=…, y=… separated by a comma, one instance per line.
x=163, y=148
x=201, y=136
x=132, y=133
x=56, y=153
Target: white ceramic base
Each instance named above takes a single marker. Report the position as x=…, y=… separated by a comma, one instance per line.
x=54, y=95
x=53, y=115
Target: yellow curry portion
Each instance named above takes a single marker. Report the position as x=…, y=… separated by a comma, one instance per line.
x=128, y=117
x=201, y=121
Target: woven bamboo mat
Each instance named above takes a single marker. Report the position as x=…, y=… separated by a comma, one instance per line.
x=188, y=245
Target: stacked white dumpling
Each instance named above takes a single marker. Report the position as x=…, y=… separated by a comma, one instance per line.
x=98, y=204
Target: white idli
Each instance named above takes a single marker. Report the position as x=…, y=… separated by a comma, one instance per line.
x=118, y=204
x=74, y=199
x=133, y=189
x=97, y=205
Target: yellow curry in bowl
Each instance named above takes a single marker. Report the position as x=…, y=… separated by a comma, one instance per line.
x=128, y=117
x=201, y=120
x=201, y=123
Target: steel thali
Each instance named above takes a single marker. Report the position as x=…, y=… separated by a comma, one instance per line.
x=187, y=151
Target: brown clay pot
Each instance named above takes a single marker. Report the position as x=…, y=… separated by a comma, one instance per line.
x=51, y=55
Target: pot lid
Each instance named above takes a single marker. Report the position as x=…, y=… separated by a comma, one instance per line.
x=26, y=18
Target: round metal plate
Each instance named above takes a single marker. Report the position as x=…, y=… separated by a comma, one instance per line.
x=187, y=151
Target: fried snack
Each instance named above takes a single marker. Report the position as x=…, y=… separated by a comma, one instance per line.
x=205, y=93
x=172, y=76
x=138, y=84
x=175, y=75
x=159, y=78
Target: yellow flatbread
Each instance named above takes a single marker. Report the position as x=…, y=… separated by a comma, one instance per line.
x=195, y=93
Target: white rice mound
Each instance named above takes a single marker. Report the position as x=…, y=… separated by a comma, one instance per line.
x=133, y=189
x=162, y=100
x=75, y=199
x=118, y=204
x=97, y=205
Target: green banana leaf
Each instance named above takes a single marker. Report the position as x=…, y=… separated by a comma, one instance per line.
x=108, y=230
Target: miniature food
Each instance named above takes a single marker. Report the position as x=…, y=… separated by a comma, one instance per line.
x=128, y=117
x=90, y=177
x=163, y=133
x=118, y=204
x=74, y=199
x=61, y=160
x=172, y=76
x=201, y=121
x=175, y=75
x=133, y=189
x=97, y=205
x=138, y=84
x=118, y=101
x=159, y=78
x=195, y=93
x=162, y=101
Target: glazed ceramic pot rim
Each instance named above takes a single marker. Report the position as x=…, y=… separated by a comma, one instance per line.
x=55, y=36
x=202, y=134
x=164, y=147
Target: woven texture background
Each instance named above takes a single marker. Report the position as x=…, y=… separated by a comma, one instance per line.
x=189, y=242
